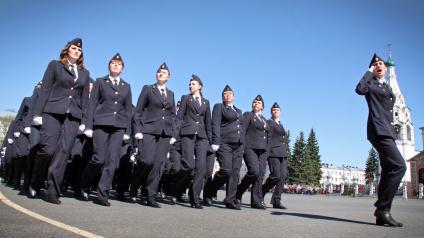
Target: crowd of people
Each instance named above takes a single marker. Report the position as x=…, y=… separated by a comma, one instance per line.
x=84, y=135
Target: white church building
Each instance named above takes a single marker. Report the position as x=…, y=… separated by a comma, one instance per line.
x=402, y=121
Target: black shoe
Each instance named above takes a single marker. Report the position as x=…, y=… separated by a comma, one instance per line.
x=32, y=193
x=263, y=204
x=258, y=206
x=153, y=203
x=172, y=200
x=237, y=201
x=384, y=218
x=232, y=206
x=181, y=200
x=133, y=199
x=120, y=197
x=279, y=206
x=53, y=200
x=84, y=196
x=196, y=205
x=102, y=203
x=207, y=202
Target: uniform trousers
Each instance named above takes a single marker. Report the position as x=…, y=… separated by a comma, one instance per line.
x=57, y=136
x=151, y=160
x=193, y=163
x=229, y=157
x=34, y=145
x=255, y=160
x=393, y=168
x=107, y=145
x=277, y=178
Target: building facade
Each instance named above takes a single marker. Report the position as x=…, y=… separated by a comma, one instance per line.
x=334, y=177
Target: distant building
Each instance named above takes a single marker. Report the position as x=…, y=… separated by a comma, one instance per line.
x=417, y=168
x=6, y=113
x=334, y=176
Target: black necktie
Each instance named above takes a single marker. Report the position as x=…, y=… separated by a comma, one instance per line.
x=71, y=67
x=197, y=99
x=115, y=81
x=162, y=92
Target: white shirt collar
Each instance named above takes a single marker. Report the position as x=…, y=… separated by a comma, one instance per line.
x=117, y=78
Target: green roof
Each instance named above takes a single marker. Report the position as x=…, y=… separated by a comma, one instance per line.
x=390, y=62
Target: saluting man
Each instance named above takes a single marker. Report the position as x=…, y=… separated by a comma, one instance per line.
x=277, y=160
x=381, y=134
x=154, y=120
x=228, y=140
x=108, y=123
x=257, y=133
x=59, y=109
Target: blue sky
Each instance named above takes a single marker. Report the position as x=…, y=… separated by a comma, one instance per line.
x=306, y=55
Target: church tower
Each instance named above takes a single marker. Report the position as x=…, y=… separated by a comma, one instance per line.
x=404, y=127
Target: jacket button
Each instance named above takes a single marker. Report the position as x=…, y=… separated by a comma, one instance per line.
x=163, y=109
x=391, y=110
x=116, y=102
x=238, y=132
x=197, y=122
x=70, y=96
x=197, y=114
x=163, y=117
x=392, y=123
x=238, y=125
x=264, y=137
x=116, y=92
x=72, y=88
x=114, y=113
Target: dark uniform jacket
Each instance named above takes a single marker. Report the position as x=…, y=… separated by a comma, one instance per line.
x=380, y=100
x=227, y=125
x=257, y=136
x=60, y=93
x=277, y=143
x=28, y=117
x=195, y=119
x=110, y=105
x=22, y=114
x=154, y=114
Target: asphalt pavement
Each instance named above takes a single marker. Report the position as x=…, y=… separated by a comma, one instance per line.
x=306, y=216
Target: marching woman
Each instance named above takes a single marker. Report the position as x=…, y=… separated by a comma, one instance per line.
x=154, y=120
x=109, y=124
x=59, y=110
x=194, y=119
x=227, y=141
x=277, y=159
x=381, y=134
x=257, y=133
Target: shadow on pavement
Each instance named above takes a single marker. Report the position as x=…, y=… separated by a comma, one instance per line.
x=320, y=217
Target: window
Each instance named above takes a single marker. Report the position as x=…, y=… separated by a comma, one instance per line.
x=408, y=132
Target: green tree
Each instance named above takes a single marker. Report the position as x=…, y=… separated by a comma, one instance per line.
x=312, y=166
x=296, y=162
x=371, y=167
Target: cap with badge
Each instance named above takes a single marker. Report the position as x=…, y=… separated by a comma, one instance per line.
x=275, y=105
x=197, y=79
x=117, y=57
x=76, y=42
x=259, y=98
x=227, y=89
x=163, y=66
x=375, y=58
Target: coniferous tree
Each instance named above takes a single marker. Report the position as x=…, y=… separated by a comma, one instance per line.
x=312, y=160
x=289, y=155
x=296, y=162
x=371, y=167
